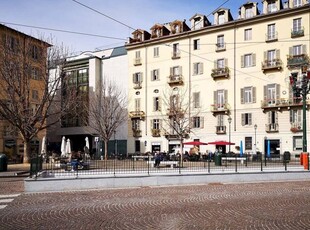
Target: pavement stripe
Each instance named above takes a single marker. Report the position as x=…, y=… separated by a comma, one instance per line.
x=2, y=206
x=8, y=196
x=6, y=200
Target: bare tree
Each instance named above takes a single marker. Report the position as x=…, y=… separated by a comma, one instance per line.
x=27, y=86
x=178, y=121
x=107, y=111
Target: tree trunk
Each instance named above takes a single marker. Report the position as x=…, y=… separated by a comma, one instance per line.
x=27, y=152
x=105, y=150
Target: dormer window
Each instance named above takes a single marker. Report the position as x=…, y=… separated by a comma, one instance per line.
x=198, y=23
x=297, y=3
x=221, y=18
x=249, y=12
x=272, y=7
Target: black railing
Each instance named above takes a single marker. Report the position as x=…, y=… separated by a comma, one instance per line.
x=169, y=164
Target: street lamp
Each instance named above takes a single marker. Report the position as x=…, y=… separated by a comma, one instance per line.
x=302, y=88
x=255, y=127
x=229, y=121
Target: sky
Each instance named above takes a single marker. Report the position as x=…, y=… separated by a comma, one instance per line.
x=71, y=15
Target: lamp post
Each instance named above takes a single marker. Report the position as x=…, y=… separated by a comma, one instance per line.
x=302, y=88
x=229, y=121
x=255, y=127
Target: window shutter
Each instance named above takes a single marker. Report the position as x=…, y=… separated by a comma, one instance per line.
x=265, y=56
x=171, y=71
x=215, y=99
x=201, y=122
x=291, y=116
x=180, y=70
x=299, y=115
x=265, y=93
x=276, y=117
x=304, y=49
x=215, y=64
x=133, y=78
x=159, y=104
x=192, y=122
x=243, y=119
x=242, y=95
x=242, y=61
x=225, y=96
x=253, y=59
x=250, y=118
x=278, y=54
x=200, y=68
x=226, y=62
x=291, y=51
x=269, y=117
x=254, y=94
x=277, y=91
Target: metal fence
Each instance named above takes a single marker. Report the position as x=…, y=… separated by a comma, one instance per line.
x=144, y=165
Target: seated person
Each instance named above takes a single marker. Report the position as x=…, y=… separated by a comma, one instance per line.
x=76, y=160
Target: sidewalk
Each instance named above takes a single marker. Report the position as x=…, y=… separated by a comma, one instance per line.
x=16, y=170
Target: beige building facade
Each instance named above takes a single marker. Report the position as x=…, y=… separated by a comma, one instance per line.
x=228, y=68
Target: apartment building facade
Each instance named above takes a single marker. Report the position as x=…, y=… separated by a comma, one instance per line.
x=231, y=68
x=22, y=59
x=85, y=73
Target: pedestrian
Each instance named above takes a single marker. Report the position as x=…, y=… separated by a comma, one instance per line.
x=157, y=159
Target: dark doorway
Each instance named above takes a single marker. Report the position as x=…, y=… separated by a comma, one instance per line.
x=274, y=147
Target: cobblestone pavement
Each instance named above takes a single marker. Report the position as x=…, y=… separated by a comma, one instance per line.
x=274, y=205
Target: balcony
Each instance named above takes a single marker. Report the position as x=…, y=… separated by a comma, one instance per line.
x=137, y=115
x=220, y=73
x=175, y=80
x=137, y=85
x=176, y=54
x=156, y=132
x=220, y=108
x=175, y=112
x=295, y=33
x=297, y=60
x=282, y=103
x=272, y=37
x=172, y=136
x=221, y=129
x=137, y=61
x=275, y=64
x=136, y=132
x=220, y=47
x=272, y=128
x=296, y=127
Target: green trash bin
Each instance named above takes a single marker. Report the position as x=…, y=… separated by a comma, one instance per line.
x=3, y=163
x=35, y=165
x=218, y=159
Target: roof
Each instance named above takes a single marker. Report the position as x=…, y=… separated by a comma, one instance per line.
x=118, y=51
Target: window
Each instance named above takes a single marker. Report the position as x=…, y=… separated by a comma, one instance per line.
x=271, y=56
x=296, y=117
x=297, y=50
x=82, y=76
x=196, y=99
x=248, y=95
x=272, y=117
x=248, y=34
x=135, y=124
x=35, y=73
x=35, y=94
x=197, y=68
x=155, y=75
x=297, y=143
x=156, y=51
x=137, y=78
x=156, y=124
x=176, y=71
x=220, y=99
x=197, y=44
x=271, y=93
x=297, y=3
x=248, y=143
x=271, y=32
x=246, y=119
x=248, y=60
x=137, y=104
x=220, y=123
x=176, y=51
x=220, y=64
x=198, y=23
x=34, y=52
x=272, y=7
x=197, y=122
x=138, y=54
x=297, y=25
x=156, y=104
x=220, y=42
x=249, y=13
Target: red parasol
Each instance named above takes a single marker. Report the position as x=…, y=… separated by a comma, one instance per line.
x=221, y=143
x=195, y=143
